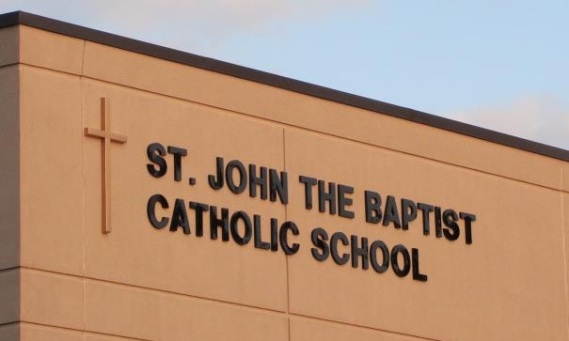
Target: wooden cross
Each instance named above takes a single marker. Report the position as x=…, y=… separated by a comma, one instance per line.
x=106, y=137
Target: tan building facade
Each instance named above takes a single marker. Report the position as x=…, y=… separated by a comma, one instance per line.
x=150, y=194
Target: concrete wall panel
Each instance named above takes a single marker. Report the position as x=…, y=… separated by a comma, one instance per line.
x=51, y=51
x=491, y=289
x=150, y=315
x=10, y=170
x=51, y=173
x=175, y=261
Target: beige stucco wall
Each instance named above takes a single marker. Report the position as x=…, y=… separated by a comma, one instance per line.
x=65, y=280
x=9, y=182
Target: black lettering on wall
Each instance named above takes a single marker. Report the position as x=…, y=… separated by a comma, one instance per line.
x=235, y=166
x=259, y=243
x=391, y=214
x=451, y=230
x=326, y=197
x=417, y=275
x=377, y=266
x=278, y=186
x=217, y=181
x=344, y=201
x=151, y=211
x=180, y=217
x=408, y=212
x=438, y=222
x=260, y=181
x=373, y=207
x=308, y=184
x=215, y=223
x=234, y=227
x=178, y=154
x=425, y=212
x=336, y=257
x=360, y=251
x=320, y=251
x=155, y=153
x=199, y=209
x=287, y=227
x=468, y=220
x=400, y=271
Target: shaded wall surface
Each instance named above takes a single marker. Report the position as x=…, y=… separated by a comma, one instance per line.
x=332, y=223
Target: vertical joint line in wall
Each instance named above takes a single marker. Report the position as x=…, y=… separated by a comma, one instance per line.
x=286, y=256
x=83, y=59
x=84, y=266
x=563, y=236
x=82, y=92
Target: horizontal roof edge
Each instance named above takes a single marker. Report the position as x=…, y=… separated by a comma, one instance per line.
x=133, y=45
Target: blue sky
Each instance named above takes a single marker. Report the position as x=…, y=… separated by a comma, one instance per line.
x=499, y=64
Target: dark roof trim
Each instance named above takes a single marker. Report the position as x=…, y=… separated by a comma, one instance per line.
x=47, y=24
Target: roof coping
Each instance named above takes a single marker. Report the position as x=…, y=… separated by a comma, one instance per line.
x=210, y=64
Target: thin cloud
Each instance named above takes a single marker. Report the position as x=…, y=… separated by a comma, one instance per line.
x=204, y=24
x=193, y=25
x=538, y=118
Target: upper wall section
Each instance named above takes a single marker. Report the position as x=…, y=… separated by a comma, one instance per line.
x=9, y=171
x=72, y=49
x=9, y=46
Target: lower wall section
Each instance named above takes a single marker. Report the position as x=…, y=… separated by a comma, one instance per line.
x=52, y=299
x=306, y=329
x=56, y=307
x=97, y=337
x=79, y=305
x=10, y=332
x=151, y=315
x=9, y=296
x=31, y=332
x=301, y=329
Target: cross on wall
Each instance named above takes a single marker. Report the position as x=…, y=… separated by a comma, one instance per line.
x=107, y=137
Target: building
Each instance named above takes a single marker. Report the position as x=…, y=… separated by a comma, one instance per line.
x=150, y=194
